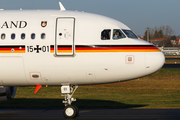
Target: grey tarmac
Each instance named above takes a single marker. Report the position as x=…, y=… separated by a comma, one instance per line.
x=91, y=114
x=172, y=66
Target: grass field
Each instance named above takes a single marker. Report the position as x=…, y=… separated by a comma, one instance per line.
x=159, y=90
x=172, y=62
x=173, y=56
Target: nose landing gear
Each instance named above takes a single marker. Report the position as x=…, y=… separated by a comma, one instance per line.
x=70, y=111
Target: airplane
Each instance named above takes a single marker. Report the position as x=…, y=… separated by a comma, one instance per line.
x=69, y=49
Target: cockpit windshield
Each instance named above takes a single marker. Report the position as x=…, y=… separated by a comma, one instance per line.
x=130, y=34
x=117, y=34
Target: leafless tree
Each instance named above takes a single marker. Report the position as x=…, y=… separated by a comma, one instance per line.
x=168, y=32
x=163, y=32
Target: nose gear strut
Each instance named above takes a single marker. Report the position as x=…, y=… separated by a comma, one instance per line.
x=70, y=111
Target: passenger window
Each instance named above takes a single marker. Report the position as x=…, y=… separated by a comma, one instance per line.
x=3, y=36
x=13, y=36
x=43, y=36
x=105, y=34
x=23, y=36
x=33, y=36
x=117, y=34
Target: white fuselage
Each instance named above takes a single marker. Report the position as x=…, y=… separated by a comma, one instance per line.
x=71, y=51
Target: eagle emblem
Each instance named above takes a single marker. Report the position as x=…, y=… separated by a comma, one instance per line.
x=44, y=23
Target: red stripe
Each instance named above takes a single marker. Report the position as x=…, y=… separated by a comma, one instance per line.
x=115, y=48
x=103, y=48
x=52, y=48
x=151, y=48
x=64, y=48
x=11, y=48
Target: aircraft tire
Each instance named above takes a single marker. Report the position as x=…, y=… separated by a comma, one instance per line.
x=76, y=110
x=70, y=111
x=10, y=92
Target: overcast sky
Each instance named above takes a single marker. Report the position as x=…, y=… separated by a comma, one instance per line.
x=136, y=14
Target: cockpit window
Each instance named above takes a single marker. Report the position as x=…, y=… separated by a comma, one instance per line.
x=105, y=34
x=130, y=34
x=117, y=34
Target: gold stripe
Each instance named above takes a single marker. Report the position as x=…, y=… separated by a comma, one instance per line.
x=64, y=51
x=155, y=50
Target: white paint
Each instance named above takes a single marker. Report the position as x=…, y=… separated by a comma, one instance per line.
x=79, y=69
x=61, y=6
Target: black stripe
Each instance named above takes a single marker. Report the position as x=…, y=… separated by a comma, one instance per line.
x=115, y=46
x=12, y=46
x=64, y=45
x=23, y=46
x=105, y=46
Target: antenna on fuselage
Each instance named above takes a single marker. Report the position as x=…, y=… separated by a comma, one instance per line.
x=61, y=6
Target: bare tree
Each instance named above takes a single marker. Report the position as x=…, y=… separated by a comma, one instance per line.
x=163, y=32
x=151, y=31
x=168, y=32
x=162, y=43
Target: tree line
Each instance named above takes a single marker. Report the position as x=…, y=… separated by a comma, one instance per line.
x=164, y=33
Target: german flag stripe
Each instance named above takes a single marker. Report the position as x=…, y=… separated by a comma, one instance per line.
x=12, y=49
x=114, y=48
x=81, y=51
x=64, y=51
x=52, y=48
x=106, y=48
x=62, y=48
x=12, y=46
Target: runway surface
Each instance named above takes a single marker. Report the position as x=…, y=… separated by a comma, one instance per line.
x=174, y=66
x=91, y=114
x=172, y=58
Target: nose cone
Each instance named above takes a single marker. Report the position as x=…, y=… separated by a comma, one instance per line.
x=154, y=61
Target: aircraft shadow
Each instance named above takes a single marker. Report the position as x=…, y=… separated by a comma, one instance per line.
x=57, y=104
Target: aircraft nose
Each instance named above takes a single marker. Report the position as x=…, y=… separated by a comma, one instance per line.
x=154, y=61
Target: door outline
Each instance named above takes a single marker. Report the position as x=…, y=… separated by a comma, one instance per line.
x=73, y=46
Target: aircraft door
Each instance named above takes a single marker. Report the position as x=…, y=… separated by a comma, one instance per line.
x=64, y=44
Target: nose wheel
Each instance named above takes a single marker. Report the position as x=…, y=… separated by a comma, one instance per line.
x=70, y=111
